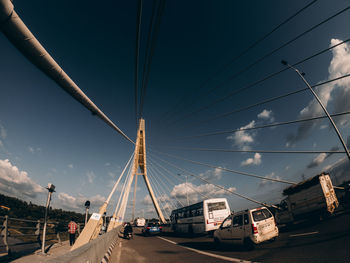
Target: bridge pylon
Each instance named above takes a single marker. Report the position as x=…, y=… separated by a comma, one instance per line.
x=140, y=163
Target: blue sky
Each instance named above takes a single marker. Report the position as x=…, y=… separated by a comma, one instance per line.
x=46, y=136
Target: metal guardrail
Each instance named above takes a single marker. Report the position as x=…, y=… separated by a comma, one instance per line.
x=29, y=231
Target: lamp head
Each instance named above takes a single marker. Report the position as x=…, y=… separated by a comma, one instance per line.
x=87, y=204
x=51, y=187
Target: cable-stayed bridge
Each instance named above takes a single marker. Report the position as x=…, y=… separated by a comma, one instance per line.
x=157, y=166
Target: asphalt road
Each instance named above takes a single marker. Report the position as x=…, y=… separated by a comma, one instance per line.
x=326, y=241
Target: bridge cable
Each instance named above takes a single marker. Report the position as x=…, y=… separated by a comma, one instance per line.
x=165, y=185
x=242, y=53
x=137, y=55
x=266, y=101
x=226, y=169
x=234, y=92
x=218, y=186
x=156, y=190
x=150, y=49
x=182, y=181
x=266, y=126
x=22, y=38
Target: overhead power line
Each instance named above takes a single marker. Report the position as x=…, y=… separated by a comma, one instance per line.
x=265, y=126
x=226, y=169
x=258, y=61
x=245, y=51
x=216, y=185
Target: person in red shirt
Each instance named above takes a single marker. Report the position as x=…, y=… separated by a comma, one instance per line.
x=72, y=228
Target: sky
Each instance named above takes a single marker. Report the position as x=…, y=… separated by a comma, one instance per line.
x=48, y=137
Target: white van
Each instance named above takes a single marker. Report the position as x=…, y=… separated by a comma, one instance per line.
x=248, y=227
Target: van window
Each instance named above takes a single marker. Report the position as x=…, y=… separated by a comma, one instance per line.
x=238, y=220
x=227, y=222
x=261, y=214
x=246, y=219
x=216, y=206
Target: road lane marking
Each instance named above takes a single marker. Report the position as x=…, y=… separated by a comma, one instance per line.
x=207, y=253
x=304, y=234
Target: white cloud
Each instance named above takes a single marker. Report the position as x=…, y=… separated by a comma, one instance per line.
x=17, y=183
x=3, y=133
x=333, y=95
x=197, y=192
x=266, y=115
x=264, y=182
x=242, y=139
x=34, y=150
x=90, y=176
x=70, y=166
x=31, y=149
x=107, y=164
x=252, y=161
x=212, y=174
x=318, y=160
x=69, y=202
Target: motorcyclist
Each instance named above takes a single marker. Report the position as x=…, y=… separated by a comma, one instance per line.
x=127, y=230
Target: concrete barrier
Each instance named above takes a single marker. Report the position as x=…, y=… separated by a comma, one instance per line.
x=92, y=252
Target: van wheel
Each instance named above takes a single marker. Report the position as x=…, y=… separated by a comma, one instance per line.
x=249, y=244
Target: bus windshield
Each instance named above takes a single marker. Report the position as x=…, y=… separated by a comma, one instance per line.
x=216, y=206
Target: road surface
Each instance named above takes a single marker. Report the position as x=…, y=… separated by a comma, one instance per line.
x=326, y=241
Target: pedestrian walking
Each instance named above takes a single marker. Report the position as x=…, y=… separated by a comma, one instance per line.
x=72, y=228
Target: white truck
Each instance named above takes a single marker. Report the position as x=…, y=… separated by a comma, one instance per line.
x=312, y=197
x=140, y=221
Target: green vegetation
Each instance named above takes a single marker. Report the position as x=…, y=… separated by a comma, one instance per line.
x=23, y=210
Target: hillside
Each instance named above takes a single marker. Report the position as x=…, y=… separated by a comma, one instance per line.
x=24, y=210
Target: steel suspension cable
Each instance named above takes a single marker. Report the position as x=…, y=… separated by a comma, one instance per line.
x=165, y=169
x=122, y=191
x=267, y=125
x=253, y=84
x=226, y=169
x=151, y=44
x=161, y=202
x=165, y=185
x=23, y=39
x=267, y=101
x=245, y=51
x=218, y=186
x=137, y=55
x=253, y=151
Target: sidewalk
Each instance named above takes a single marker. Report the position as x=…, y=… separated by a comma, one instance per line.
x=55, y=251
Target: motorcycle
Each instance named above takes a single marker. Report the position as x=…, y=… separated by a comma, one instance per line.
x=128, y=235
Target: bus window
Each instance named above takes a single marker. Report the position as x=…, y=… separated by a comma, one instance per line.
x=216, y=206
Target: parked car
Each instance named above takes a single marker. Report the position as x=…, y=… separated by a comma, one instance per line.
x=248, y=227
x=151, y=228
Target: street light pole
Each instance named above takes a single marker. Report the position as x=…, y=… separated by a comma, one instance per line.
x=87, y=206
x=51, y=189
x=301, y=75
x=187, y=192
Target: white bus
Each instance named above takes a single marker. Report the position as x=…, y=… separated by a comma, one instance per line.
x=202, y=217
